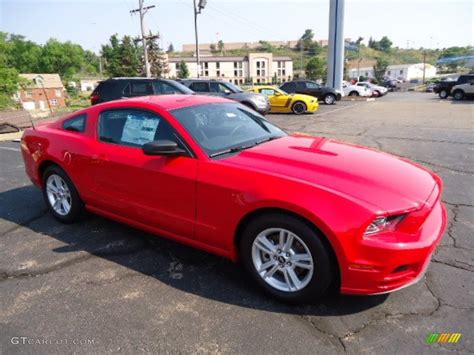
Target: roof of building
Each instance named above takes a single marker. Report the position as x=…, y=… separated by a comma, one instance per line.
x=48, y=81
x=220, y=59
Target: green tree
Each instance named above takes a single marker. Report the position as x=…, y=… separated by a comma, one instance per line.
x=9, y=85
x=380, y=68
x=306, y=39
x=183, y=71
x=122, y=57
x=385, y=44
x=220, y=46
x=315, y=68
x=265, y=46
x=170, y=48
x=156, y=58
x=213, y=48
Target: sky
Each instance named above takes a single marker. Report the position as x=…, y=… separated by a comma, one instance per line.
x=413, y=23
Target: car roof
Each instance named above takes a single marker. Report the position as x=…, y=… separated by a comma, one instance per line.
x=137, y=78
x=172, y=102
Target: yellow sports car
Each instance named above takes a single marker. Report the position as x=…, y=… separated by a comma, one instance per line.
x=281, y=101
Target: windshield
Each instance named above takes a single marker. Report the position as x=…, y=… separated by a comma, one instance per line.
x=233, y=88
x=225, y=128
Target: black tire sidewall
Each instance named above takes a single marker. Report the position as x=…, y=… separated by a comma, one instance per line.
x=443, y=94
x=323, y=274
x=458, y=92
x=298, y=103
x=333, y=99
x=353, y=93
x=77, y=206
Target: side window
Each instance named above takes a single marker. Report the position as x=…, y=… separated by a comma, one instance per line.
x=218, y=87
x=162, y=88
x=268, y=92
x=140, y=88
x=200, y=86
x=132, y=127
x=289, y=87
x=75, y=124
x=311, y=85
x=301, y=85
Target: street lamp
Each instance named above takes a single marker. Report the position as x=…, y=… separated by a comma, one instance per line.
x=197, y=10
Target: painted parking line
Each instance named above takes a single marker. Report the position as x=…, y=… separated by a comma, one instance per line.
x=339, y=109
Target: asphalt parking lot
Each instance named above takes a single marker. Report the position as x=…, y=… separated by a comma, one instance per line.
x=100, y=286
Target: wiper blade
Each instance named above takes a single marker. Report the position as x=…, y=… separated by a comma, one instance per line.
x=238, y=149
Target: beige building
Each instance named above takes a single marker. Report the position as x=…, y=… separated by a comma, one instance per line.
x=253, y=68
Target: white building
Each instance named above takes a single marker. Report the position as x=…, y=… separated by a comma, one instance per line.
x=403, y=71
x=253, y=68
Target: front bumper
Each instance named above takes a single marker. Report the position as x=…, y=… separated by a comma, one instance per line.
x=389, y=263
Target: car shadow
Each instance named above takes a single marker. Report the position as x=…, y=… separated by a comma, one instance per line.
x=174, y=264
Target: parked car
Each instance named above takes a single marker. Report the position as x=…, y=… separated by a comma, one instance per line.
x=281, y=101
x=444, y=88
x=307, y=87
x=119, y=88
x=465, y=90
x=430, y=87
x=302, y=213
x=377, y=90
x=354, y=90
x=257, y=102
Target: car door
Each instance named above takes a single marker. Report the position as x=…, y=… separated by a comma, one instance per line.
x=314, y=89
x=469, y=87
x=156, y=191
x=278, y=101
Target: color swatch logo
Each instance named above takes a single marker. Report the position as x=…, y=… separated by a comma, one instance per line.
x=443, y=338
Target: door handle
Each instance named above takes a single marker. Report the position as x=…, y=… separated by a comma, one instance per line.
x=98, y=159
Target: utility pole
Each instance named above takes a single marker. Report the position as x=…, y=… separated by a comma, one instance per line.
x=197, y=10
x=424, y=65
x=336, y=45
x=142, y=11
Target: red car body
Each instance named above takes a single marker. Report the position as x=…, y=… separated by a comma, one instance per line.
x=338, y=187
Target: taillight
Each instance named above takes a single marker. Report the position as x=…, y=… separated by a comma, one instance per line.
x=94, y=99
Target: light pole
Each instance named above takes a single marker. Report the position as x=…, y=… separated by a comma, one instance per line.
x=336, y=45
x=197, y=10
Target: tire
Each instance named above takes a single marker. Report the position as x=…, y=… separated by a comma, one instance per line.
x=329, y=99
x=458, y=95
x=353, y=93
x=298, y=108
x=314, y=278
x=57, y=186
x=443, y=94
x=377, y=93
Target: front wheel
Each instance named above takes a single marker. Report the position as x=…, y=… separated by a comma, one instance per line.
x=353, y=93
x=286, y=258
x=61, y=195
x=329, y=99
x=298, y=108
x=458, y=95
x=443, y=94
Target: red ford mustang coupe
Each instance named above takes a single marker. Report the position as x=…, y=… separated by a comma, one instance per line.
x=302, y=213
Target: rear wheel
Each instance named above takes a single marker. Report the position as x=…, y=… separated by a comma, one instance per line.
x=443, y=94
x=458, y=95
x=329, y=99
x=376, y=93
x=298, y=108
x=353, y=93
x=61, y=195
x=286, y=258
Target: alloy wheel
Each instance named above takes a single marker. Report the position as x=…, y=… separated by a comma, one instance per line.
x=282, y=259
x=59, y=195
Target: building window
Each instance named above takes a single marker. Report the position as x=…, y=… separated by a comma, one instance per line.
x=57, y=92
x=238, y=69
x=53, y=102
x=29, y=93
x=218, y=65
x=177, y=66
x=218, y=73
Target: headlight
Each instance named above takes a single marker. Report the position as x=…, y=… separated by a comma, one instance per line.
x=383, y=224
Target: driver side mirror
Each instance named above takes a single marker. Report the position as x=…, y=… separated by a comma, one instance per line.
x=276, y=93
x=162, y=147
x=227, y=91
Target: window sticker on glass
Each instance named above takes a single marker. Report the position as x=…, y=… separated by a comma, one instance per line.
x=230, y=114
x=139, y=129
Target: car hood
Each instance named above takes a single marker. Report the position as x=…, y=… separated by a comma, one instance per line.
x=384, y=182
x=239, y=96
